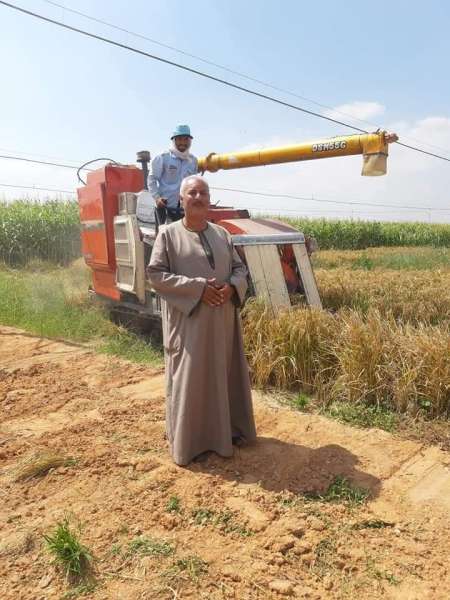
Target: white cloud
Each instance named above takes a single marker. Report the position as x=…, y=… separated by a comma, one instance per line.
x=356, y=110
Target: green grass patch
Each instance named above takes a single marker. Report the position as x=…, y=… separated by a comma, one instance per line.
x=116, y=549
x=381, y=575
x=192, y=567
x=202, y=516
x=343, y=491
x=224, y=521
x=299, y=402
x=361, y=415
x=53, y=302
x=146, y=546
x=173, y=504
x=130, y=346
x=69, y=554
x=351, y=413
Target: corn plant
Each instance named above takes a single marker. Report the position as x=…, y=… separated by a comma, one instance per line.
x=48, y=231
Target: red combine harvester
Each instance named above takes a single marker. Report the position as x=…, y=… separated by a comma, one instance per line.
x=116, y=245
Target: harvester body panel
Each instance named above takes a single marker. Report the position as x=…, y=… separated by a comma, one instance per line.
x=98, y=202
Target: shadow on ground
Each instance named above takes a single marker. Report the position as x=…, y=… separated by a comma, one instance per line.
x=287, y=467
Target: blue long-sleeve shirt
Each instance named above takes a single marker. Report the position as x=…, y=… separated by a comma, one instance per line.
x=167, y=171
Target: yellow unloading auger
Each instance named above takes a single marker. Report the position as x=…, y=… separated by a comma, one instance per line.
x=373, y=147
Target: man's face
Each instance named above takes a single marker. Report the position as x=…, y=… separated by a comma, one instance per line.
x=182, y=142
x=195, y=199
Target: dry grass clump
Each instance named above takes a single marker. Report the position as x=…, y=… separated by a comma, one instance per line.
x=38, y=464
x=349, y=357
x=410, y=296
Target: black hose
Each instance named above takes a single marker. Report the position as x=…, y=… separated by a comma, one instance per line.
x=89, y=162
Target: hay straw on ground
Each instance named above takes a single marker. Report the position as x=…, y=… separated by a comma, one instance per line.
x=38, y=465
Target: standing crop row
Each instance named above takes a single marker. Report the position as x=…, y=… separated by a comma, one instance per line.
x=356, y=235
x=48, y=231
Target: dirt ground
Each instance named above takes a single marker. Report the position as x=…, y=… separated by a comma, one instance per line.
x=238, y=528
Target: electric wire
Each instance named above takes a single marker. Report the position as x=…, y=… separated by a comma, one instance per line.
x=38, y=189
x=265, y=194
x=310, y=213
x=204, y=75
x=224, y=68
x=263, y=209
x=223, y=189
x=39, y=156
x=39, y=162
x=326, y=201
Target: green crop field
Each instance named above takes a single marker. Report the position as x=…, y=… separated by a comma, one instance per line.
x=356, y=235
x=50, y=231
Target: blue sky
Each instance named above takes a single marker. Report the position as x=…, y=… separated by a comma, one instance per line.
x=73, y=99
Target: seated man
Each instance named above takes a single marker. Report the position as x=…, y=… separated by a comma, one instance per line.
x=167, y=171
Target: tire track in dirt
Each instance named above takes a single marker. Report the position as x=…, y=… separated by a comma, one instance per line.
x=246, y=517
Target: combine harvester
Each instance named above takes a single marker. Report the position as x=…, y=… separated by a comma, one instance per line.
x=116, y=245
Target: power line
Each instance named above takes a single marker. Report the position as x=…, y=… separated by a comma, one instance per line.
x=174, y=64
x=323, y=200
x=268, y=195
x=252, y=193
x=38, y=189
x=39, y=162
x=204, y=75
x=332, y=215
x=219, y=66
x=251, y=208
x=318, y=213
x=39, y=156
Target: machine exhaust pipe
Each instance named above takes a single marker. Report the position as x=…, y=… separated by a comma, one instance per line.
x=143, y=157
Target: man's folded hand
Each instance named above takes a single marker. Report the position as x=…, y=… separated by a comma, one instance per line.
x=212, y=296
x=227, y=291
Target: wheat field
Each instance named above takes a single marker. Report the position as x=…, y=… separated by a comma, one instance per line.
x=382, y=339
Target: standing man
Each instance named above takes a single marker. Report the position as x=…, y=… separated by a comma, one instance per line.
x=202, y=282
x=167, y=171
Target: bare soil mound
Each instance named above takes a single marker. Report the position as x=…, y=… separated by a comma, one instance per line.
x=249, y=527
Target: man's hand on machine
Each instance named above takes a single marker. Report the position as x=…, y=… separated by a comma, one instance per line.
x=161, y=202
